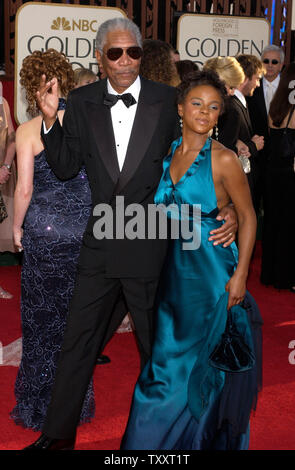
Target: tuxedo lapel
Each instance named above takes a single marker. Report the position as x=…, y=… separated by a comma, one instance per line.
x=245, y=113
x=145, y=122
x=101, y=123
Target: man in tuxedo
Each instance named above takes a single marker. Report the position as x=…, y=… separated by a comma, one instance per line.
x=272, y=58
x=120, y=128
x=252, y=68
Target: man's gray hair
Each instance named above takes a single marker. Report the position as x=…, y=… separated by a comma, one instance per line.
x=119, y=23
x=274, y=48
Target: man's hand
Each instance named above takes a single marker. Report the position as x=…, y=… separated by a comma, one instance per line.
x=47, y=100
x=258, y=141
x=4, y=174
x=225, y=234
x=242, y=149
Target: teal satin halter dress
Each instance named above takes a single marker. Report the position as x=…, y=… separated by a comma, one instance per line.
x=177, y=404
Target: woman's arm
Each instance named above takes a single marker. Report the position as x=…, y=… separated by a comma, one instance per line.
x=236, y=186
x=24, y=186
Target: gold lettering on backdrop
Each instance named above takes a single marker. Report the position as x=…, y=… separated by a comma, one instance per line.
x=61, y=23
x=75, y=25
x=85, y=25
x=81, y=25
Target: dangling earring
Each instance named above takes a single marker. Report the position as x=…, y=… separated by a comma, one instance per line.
x=216, y=132
x=180, y=123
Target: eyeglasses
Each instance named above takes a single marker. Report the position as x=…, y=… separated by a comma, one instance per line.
x=114, y=53
x=273, y=61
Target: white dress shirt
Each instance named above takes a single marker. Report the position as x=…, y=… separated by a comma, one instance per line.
x=269, y=89
x=241, y=97
x=123, y=118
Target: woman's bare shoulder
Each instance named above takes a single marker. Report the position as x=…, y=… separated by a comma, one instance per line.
x=222, y=153
x=30, y=128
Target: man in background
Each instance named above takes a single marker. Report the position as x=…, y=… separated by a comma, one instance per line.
x=253, y=69
x=272, y=58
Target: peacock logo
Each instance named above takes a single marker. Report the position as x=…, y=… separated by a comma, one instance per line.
x=85, y=25
x=61, y=23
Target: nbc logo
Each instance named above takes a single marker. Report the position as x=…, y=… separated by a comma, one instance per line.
x=61, y=23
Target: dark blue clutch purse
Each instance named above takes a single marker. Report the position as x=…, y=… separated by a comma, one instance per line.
x=233, y=353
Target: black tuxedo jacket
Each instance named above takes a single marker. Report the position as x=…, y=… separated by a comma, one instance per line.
x=245, y=134
x=87, y=138
x=229, y=125
x=259, y=118
x=245, y=130
x=257, y=111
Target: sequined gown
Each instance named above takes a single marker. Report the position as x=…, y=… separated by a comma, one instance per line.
x=180, y=402
x=53, y=229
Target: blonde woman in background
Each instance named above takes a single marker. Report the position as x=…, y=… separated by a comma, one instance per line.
x=83, y=77
x=230, y=71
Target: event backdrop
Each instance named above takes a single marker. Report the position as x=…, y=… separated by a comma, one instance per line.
x=72, y=30
x=67, y=28
x=200, y=37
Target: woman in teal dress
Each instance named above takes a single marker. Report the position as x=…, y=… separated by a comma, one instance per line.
x=180, y=401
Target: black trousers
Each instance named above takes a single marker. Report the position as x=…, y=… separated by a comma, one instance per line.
x=92, y=320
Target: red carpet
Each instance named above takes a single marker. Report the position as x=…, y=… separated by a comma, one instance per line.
x=271, y=427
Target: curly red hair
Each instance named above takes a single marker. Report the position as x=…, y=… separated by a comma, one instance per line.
x=51, y=63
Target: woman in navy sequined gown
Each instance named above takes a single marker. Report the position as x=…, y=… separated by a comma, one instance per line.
x=181, y=402
x=50, y=219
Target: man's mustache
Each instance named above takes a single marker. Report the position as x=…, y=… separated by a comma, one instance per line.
x=123, y=72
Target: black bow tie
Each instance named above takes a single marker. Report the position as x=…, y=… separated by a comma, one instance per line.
x=110, y=100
